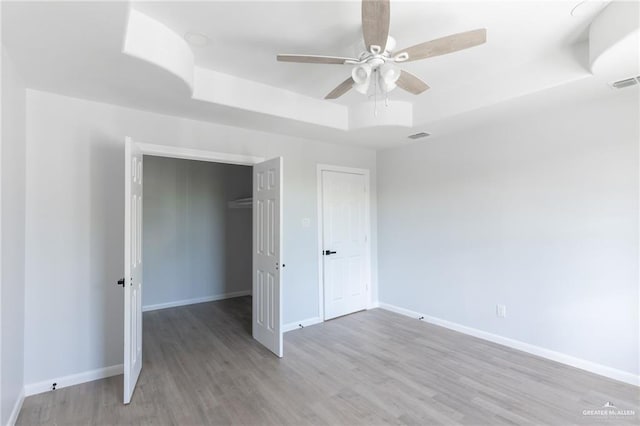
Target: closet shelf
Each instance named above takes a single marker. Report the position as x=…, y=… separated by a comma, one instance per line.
x=241, y=203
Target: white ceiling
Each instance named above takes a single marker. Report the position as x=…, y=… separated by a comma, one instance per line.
x=76, y=49
x=247, y=36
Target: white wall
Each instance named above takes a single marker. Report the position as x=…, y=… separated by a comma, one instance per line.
x=538, y=212
x=13, y=233
x=194, y=246
x=74, y=231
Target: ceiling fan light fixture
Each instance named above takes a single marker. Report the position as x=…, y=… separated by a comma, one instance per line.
x=362, y=88
x=361, y=74
x=387, y=86
x=389, y=75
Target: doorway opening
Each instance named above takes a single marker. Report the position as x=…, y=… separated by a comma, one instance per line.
x=196, y=233
x=211, y=227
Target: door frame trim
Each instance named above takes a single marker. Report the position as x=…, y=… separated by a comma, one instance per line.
x=197, y=154
x=367, y=224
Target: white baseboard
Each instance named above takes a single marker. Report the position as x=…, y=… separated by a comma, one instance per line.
x=304, y=323
x=602, y=370
x=73, y=379
x=185, y=302
x=13, y=418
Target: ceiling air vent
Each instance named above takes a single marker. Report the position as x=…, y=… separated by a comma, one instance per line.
x=419, y=135
x=626, y=83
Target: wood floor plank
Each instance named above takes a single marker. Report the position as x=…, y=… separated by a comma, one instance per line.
x=201, y=366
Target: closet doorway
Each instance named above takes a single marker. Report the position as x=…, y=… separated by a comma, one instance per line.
x=196, y=233
x=189, y=260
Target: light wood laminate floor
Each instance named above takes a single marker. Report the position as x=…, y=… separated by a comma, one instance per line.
x=201, y=366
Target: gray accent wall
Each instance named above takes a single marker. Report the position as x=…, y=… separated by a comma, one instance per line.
x=194, y=246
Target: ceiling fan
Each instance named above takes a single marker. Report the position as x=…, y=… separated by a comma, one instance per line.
x=377, y=63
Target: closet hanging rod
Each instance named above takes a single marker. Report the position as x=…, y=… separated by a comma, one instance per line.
x=241, y=203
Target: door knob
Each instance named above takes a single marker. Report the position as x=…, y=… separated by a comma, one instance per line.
x=121, y=282
x=329, y=252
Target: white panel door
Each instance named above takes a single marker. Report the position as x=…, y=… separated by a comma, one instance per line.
x=345, y=258
x=132, y=282
x=267, y=248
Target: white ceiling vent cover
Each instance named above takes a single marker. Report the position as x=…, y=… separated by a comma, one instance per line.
x=419, y=135
x=626, y=82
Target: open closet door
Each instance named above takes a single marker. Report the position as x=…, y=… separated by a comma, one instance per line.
x=132, y=282
x=267, y=249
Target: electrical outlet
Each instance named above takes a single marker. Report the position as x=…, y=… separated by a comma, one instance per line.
x=501, y=311
x=306, y=222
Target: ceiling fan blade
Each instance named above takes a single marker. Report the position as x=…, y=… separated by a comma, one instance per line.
x=375, y=23
x=314, y=59
x=411, y=83
x=444, y=45
x=342, y=88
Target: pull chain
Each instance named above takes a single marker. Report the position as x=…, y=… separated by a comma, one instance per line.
x=375, y=94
